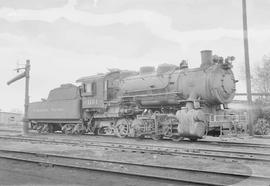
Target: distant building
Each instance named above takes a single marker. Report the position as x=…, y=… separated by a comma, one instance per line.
x=8, y=118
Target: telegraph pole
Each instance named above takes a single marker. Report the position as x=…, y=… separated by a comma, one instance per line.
x=248, y=81
x=25, y=74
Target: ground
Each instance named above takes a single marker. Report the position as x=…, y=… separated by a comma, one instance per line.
x=18, y=173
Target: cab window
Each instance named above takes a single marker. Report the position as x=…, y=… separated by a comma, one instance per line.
x=90, y=88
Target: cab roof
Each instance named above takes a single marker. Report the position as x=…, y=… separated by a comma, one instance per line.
x=90, y=78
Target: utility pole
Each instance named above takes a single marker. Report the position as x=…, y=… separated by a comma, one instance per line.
x=25, y=74
x=248, y=80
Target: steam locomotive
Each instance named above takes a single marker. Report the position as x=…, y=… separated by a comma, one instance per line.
x=172, y=101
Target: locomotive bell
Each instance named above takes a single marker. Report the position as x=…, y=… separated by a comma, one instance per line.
x=206, y=58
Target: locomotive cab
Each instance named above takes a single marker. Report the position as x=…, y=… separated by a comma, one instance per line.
x=92, y=92
x=99, y=89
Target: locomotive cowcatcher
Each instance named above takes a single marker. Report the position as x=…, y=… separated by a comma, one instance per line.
x=172, y=101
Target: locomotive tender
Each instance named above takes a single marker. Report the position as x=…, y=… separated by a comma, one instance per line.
x=172, y=101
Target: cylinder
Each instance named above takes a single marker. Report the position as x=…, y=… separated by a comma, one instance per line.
x=206, y=57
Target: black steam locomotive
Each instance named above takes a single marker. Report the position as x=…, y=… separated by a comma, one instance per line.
x=171, y=101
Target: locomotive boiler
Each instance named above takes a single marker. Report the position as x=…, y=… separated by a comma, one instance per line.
x=168, y=102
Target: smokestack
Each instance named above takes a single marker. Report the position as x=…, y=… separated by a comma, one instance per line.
x=206, y=57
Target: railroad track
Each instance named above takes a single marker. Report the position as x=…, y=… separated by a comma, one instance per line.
x=233, y=144
x=152, y=171
x=212, y=154
x=202, y=142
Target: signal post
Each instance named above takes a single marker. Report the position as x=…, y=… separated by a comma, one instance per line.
x=25, y=74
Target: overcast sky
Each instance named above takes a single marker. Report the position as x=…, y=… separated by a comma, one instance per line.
x=66, y=40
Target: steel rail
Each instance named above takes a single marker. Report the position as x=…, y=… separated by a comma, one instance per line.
x=223, y=143
x=153, y=149
x=204, y=142
x=176, y=174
